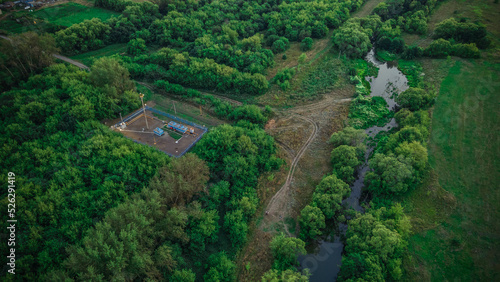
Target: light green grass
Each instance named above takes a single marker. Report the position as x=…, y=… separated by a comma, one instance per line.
x=385, y=56
x=464, y=152
x=72, y=13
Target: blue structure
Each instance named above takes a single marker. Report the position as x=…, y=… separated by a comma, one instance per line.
x=140, y=111
x=177, y=127
x=158, y=131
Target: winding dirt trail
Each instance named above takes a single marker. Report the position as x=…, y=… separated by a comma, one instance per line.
x=277, y=207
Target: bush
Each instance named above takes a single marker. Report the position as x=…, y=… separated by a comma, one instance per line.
x=280, y=45
x=136, y=47
x=251, y=113
x=413, y=52
x=306, y=44
x=464, y=32
x=415, y=99
x=465, y=50
x=345, y=160
x=312, y=220
x=438, y=49
x=390, y=175
x=368, y=111
x=286, y=250
x=329, y=194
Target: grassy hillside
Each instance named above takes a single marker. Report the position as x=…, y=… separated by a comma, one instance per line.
x=464, y=152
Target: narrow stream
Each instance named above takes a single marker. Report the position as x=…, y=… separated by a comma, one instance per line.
x=325, y=259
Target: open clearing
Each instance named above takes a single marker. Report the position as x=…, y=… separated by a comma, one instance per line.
x=138, y=130
x=63, y=14
x=464, y=150
x=302, y=134
x=70, y=13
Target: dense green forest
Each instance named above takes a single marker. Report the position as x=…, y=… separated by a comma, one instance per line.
x=94, y=205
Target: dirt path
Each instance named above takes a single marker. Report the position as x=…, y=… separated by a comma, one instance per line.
x=70, y=61
x=366, y=9
x=277, y=207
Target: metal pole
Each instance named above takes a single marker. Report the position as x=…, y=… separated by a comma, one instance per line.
x=144, y=109
x=174, y=107
x=121, y=117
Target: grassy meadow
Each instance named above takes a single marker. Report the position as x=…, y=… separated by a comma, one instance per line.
x=456, y=214
x=70, y=13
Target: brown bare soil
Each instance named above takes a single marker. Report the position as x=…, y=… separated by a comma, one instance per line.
x=139, y=131
x=301, y=134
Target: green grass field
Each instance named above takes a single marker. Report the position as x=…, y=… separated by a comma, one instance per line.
x=456, y=214
x=89, y=57
x=71, y=13
x=47, y=19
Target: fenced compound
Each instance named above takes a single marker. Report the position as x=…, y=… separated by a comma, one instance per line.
x=134, y=127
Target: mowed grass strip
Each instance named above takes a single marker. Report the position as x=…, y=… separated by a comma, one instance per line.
x=464, y=153
x=71, y=13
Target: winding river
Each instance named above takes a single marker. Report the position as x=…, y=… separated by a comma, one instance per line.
x=325, y=259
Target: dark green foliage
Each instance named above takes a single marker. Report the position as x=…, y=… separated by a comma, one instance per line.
x=344, y=162
x=221, y=269
x=410, y=15
x=329, y=194
x=283, y=77
x=413, y=52
x=169, y=64
x=285, y=251
x=390, y=175
x=464, y=32
x=353, y=38
x=274, y=275
x=251, y=113
x=138, y=244
x=319, y=30
x=86, y=36
x=351, y=137
x=221, y=108
x=306, y=44
x=136, y=47
x=311, y=221
x=465, y=50
x=237, y=155
x=229, y=149
x=415, y=99
x=406, y=117
x=74, y=169
x=235, y=224
x=184, y=275
x=280, y=45
x=368, y=111
x=439, y=48
x=408, y=134
x=108, y=74
x=26, y=54
x=375, y=245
